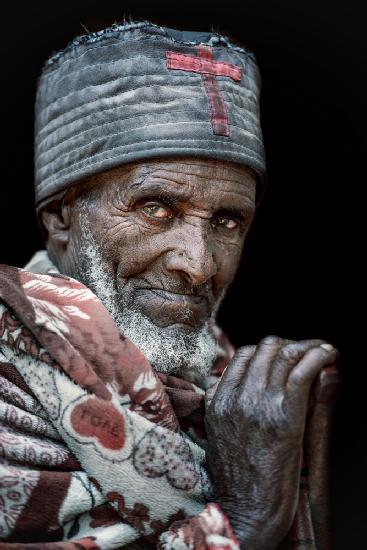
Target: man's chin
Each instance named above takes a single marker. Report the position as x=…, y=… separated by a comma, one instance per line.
x=169, y=309
x=177, y=348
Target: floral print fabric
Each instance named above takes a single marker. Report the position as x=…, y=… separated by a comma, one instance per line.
x=96, y=450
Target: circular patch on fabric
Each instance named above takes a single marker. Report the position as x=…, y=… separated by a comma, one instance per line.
x=164, y=453
x=99, y=420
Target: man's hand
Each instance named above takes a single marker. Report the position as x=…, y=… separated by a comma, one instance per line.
x=255, y=422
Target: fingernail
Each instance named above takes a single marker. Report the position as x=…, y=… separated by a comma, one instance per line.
x=328, y=347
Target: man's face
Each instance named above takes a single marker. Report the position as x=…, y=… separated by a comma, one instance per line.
x=160, y=242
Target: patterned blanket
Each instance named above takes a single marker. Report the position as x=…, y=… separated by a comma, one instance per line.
x=97, y=451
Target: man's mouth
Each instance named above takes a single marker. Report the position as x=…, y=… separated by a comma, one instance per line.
x=171, y=308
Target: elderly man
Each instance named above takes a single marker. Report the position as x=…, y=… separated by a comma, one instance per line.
x=126, y=417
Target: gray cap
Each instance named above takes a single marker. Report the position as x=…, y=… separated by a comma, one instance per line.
x=139, y=91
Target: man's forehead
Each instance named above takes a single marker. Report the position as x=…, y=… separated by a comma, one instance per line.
x=179, y=175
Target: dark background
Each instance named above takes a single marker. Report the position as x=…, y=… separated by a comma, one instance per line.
x=303, y=274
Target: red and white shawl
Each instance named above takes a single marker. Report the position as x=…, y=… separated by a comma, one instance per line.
x=97, y=451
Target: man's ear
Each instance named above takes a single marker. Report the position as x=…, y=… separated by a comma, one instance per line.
x=55, y=219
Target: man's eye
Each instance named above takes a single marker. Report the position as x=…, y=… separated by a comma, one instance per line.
x=157, y=210
x=226, y=222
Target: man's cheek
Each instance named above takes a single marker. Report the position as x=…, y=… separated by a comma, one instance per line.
x=113, y=232
x=123, y=245
x=227, y=260
x=135, y=256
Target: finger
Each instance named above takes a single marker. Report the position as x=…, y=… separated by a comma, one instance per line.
x=260, y=366
x=303, y=374
x=234, y=372
x=287, y=357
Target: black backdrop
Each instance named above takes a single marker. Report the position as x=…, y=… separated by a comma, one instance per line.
x=303, y=274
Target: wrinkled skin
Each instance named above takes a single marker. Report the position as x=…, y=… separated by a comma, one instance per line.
x=257, y=414
x=174, y=231
x=175, y=227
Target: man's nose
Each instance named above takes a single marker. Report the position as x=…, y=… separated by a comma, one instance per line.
x=193, y=255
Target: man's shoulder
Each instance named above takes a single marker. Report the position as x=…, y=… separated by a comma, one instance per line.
x=17, y=282
x=8, y=270
x=41, y=299
x=27, y=279
x=9, y=284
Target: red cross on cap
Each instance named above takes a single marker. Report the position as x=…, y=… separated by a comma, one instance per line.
x=203, y=64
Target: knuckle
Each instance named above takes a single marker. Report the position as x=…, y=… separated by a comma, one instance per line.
x=289, y=353
x=270, y=340
x=243, y=352
x=311, y=342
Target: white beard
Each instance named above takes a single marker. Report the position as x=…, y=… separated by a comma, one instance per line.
x=189, y=355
